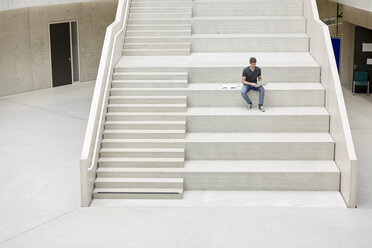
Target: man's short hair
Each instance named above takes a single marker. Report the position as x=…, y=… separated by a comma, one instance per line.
x=252, y=60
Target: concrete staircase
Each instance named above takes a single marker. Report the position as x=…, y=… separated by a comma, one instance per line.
x=143, y=148
x=158, y=28
x=146, y=151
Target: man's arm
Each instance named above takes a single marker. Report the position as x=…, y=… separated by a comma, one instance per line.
x=259, y=78
x=247, y=83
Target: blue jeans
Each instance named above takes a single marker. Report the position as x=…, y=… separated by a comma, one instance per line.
x=247, y=88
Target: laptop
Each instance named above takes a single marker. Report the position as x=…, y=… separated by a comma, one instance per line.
x=261, y=83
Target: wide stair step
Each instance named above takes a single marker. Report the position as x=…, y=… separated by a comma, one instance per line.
x=210, y=94
x=259, y=146
x=250, y=43
x=236, y=8
x=257, y=25
x=275, y=119
x=261, y=175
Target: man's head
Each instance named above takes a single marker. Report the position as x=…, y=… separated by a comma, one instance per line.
x=252, y=61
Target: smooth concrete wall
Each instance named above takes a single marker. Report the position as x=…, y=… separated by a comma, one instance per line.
x=327, y=8
x=358, y=17
x=17, y=4
x=24, y=42
x=347, y=54
x=360, y=4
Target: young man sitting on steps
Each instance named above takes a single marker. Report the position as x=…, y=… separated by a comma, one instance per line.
x=249, y=80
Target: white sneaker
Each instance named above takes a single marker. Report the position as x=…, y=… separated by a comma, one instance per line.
x=249, y=106
x=261, y=108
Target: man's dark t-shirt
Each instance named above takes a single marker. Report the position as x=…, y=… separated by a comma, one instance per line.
x=251, y=76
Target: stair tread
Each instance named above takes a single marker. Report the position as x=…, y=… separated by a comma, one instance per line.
x=168, y=18
x=138, y=190
x=152, y=73
x=143, y=140
x=159, y=43
x=142, y=150
x=148, y=97
x=146, y=159
x=248, y=17
x=146, y=105
x=157, y=49
x=159, y=31
x=159, y=25
x=280, y=59
x=152, y=81
x=142, y=131
x=260, y=166
x=161, y=7
x=146, y=113
x=289, y=35
x=143, y=179
x=145, y=122
x=138, y=169
x=218, y=86
x=162, y=37
x=259, y=137
x=269, y=86
x=269, y=111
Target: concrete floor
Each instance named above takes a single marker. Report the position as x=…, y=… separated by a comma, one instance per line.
x=41, y=139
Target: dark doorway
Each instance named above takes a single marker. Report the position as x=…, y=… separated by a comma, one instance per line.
x=363, y=39
x=60, y=53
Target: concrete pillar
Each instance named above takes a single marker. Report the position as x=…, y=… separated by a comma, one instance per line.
x=347, y=54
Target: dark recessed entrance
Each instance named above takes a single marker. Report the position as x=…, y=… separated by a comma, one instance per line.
x=64, y=53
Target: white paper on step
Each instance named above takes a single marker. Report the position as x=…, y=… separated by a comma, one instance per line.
x=230, y=86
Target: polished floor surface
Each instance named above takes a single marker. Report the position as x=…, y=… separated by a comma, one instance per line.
x=41, y=138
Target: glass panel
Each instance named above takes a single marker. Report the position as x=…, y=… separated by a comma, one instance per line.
x=75, y=54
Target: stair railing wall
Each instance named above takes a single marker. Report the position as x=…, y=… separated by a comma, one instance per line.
x=321, y=50
x=111, y=53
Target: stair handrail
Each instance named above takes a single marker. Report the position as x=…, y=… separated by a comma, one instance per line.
x=322, y=51
x=111, y=53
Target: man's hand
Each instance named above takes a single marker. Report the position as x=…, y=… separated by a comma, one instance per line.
x=254, y=85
